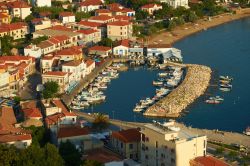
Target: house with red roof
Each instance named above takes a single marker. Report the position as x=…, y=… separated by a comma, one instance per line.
x=89, y=5
x=71, y=53
x=77, y=68
x=118, y=9
x=207, y=161
x=119, y=30
x=19, y=9
x=101, y=19
x=9, y=134
x=32, y=113
x=85, y=24
x=16, y=30
x=40, y=23
x=127, y=143
x=49, y=62
x=67, y=17
x=62, y=78
x=90, y=36
x=90, y=66
x=122, y=48
x=102, y=51
x=150, y=8
x=5, y=18
x=104, y=12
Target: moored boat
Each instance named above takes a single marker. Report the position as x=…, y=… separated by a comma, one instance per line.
x=247, y=131
x=211, y=101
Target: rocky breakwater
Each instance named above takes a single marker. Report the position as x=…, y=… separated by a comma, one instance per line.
x=193, y=86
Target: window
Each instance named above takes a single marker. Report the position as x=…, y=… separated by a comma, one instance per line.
x=130, y=146
x=172, y=160
x=121, y=33
x=131, y=156
x=121, y=28
x=146, y=157
x=121, y=145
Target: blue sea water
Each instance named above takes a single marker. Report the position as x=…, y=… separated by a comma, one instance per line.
x=226, y=49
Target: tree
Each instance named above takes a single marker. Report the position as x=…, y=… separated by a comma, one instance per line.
x=52, y=155
x=16, y=19
x=8, y=155
x=141, y=15
x=91, y=163
x=6, y=45
x=171, y=24
x=80, y=15
x=70, y=154
x=100, y=122
x=40, y=135
x=192, y=17
x=106, y=42
x=29, y=18
x=51, y=88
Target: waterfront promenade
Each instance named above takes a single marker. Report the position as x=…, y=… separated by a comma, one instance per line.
x=67, y=98
x=194, y=85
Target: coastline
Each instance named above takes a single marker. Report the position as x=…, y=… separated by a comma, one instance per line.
x=189, y=29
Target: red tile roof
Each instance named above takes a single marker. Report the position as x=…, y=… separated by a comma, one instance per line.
x=124, y=43
x=18, y=4
x=122, y=18
x=3, y=15
x=32, y=113
x=28, y=104
x=103, y=11
x=55, y=73
x=73, y=63
x=119, y=23
x=14, y=137
x=65, y=111
x=102, y=155
x=12, y=26
x=16, y=58
x=58, y=39
x=209, y=161
x=61, y=28
x=90, y=24
x=74, y=50
x=126, y=136
x=45, y=14
x=36, y=20
x=89, y=62
x=91, y=3
x=99, y=48
x=66, y=14
x=147, y=6
x=72, y=131
x=101, y=18
x=87, y=31
x=114, y=5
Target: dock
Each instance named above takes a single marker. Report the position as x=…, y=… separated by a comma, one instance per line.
x=194, y=85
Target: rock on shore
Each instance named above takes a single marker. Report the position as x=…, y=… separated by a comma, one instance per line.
x=193, y=86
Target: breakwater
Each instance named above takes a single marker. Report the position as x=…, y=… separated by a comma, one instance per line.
x=193, y=86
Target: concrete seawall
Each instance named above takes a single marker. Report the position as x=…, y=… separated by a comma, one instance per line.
x=193, y=86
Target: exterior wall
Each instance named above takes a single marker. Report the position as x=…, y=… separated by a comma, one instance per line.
x=176, y=3
x=78, y=71
x=24, y=12
x=156, y=150
x=90, y=68
x=5, y=20
x=4, y=80
x=42, y=3
x=52, y=110
x=16, y=34
x=136, y=51
x=120, y=32
x=156, y=51
x=88, y=8
x=61, y=80
x=101, y=53
x=68, y=19
x=21, y=144
x=45, y=24
x=127, y=150
x=151, y=10
x=46, y=65
x=121, y=51
x=35, y=52
x=92, y=38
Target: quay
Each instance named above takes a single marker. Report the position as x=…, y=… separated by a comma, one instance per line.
x=194, y=85
x=212, y=135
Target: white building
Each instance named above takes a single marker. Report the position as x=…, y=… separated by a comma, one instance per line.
x=67, y=17
x=77, y=68
x=41, y=3
x=176, y=3
x=19, y=9
x=89, y=5
x=165, y=144
x=40, y=23
x=33, y=51
x=90, y=66
x=122, y=49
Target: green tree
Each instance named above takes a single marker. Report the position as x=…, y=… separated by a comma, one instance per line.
x=52, y=155
x=16, y=19
x=8, y=155
x=29, y=18
x=51, y=88
x=6, y=45
x=106, y=42
x=101, y=122
x=141, y=15
x=91, y=163
x=171, y=24
x=40, y=135
x=192, y=17
x=80, y=15
x=70, y=154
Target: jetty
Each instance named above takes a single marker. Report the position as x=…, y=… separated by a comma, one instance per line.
x=193, y=86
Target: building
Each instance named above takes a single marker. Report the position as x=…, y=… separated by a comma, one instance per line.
x=71, y=53
x=176, y=3
x=150, y=8
x=77, y=68
x=40, y=24
x=90, y=36
x=101, y=19
x=67, y=17
x=19, y=9
x=127, y=143
x=105, y=12
x=119, y=30
x=41, y=3
x=89, y=5
x=15, y=30
x=62, y=78
x=122, y=49
x=49, y=63
x=9, y=134
x=32, y=113
x=207, y=161
x=166, y=144
x=90, y=66
x=5, y=18
x=100, y=50
x=91, y=25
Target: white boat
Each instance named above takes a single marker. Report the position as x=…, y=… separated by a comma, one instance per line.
x=146, y=102
x=225, y=89
x=226, y=78
x=77, y=107
x=84, y=104
x=218, y=98
x=157, y=83
x=95, y=98
x=162, y=74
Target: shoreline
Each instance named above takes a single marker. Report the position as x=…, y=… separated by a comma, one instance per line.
x=188, y=29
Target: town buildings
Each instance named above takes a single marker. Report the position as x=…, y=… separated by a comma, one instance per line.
x=176, y=3
x=67, y=17
x=166, y=144
x=89, y=5
x=15, y=30
x=150, y=8
x=19, y=9
x=119, y=30
x=41, y=3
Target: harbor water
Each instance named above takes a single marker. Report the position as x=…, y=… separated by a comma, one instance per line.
x=226, y=50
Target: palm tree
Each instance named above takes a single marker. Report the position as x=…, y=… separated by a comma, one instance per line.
x=101, y=122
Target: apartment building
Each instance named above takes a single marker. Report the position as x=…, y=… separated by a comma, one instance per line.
x=167, y=145
x=77, y=68
x=90, y=36
x=176, y=3
x=15, y=30
x=19, y=9
x=40, y=24
x=119, y=30
x=67, y=17
x=89, y=5
x=5, y=18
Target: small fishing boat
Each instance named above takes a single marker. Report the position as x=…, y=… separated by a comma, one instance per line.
x=216, y=98
x=225, y=89
x=157, y=83
x=74, y=107
x=226, y=78
x=226, y=85
x=162, y=74
x=225, y=81
x=211, y=101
